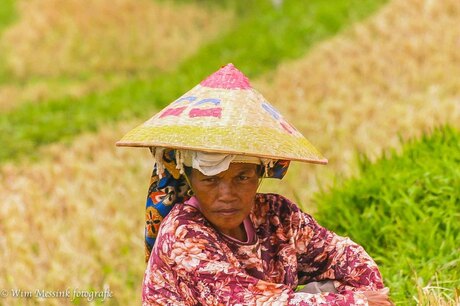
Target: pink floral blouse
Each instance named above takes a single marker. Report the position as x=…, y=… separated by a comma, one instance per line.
x=193, y=264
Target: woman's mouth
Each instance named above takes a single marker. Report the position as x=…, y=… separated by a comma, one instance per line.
x=227, y=211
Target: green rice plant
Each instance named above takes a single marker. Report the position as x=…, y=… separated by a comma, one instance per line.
x=7, y=13
x=405, y=210
x=262, y=39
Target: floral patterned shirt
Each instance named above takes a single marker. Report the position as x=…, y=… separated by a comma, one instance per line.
x=193, y=264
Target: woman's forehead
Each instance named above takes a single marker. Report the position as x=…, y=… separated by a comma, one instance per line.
x=233, y=169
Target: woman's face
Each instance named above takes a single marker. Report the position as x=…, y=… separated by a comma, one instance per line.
x=227, y=198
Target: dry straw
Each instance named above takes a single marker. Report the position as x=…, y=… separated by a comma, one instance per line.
x=396, y=75
x=75, y=220
x=98, y=44
x=55, y=37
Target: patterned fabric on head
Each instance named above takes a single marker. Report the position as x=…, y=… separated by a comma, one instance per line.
x=171, y=187
x=277, y=170
x=163, y=194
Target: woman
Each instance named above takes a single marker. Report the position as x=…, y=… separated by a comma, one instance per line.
x=221, y=242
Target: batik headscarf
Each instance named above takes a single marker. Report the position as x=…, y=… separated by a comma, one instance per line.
x=170, y=187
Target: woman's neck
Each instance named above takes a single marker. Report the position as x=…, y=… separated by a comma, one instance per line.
x=238, y=233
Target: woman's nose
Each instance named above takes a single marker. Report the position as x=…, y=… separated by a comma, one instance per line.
x=226, y=190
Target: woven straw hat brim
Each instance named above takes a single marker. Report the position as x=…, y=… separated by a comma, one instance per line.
x=232, y=119
x=180, y=138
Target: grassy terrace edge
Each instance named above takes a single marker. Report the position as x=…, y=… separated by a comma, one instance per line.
x=263, y=38
x=404, y=209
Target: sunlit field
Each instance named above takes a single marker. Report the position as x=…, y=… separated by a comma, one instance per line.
x=409, y=203
x=75, y=219
x=72, y=48
x=390, y=78
x=73, y=215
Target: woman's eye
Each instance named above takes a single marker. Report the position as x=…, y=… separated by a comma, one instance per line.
x=210, y=180
x=244, y=177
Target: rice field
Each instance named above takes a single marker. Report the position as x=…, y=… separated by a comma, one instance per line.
x=74, y=218
x=404, y=208
x=390, y=78
x=85, y=47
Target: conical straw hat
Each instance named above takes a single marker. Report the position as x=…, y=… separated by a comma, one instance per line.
x=224, y=114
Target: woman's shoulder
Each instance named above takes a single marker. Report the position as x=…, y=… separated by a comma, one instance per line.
x=272, y=204
x=180, y=215
x=275, y=201
x=184, y=222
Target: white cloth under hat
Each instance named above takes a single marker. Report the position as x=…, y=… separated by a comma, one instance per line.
x=207, y=163
x=215, y=163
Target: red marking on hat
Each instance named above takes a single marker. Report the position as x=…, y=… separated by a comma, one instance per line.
x=172, y=111
x=227, y=77
x=207, y=112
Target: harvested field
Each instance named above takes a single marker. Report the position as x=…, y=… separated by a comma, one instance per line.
x=393, y=76
x=75, y=220
x=86, y=43
x=13, y=94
